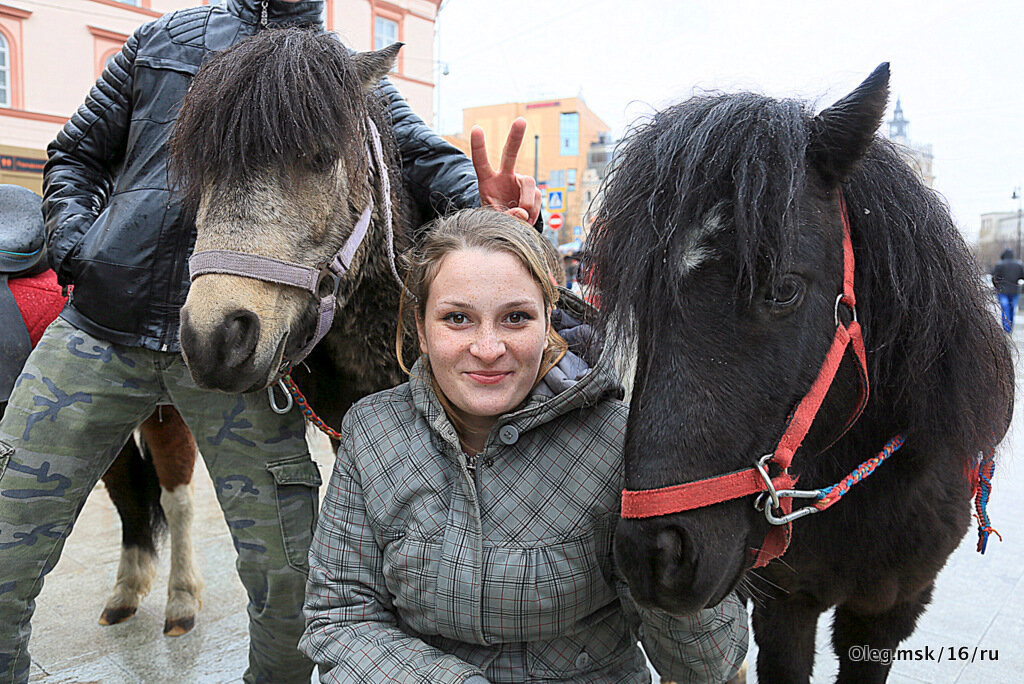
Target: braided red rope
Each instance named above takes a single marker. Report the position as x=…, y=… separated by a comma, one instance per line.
x=307, y=410
x=981, y=476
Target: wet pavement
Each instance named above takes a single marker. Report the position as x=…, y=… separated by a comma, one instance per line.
x=977, y=609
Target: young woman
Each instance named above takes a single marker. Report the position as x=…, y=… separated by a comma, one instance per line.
x=466, y=535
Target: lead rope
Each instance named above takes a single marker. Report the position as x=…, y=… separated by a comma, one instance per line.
x=385, y=186
x=981, y=477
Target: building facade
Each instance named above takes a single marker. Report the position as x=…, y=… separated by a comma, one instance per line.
x=52, y=51
x=1000, y=230
x=559, y=134
x=917, y=155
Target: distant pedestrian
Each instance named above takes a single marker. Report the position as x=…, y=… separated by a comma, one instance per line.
x=1007, y=276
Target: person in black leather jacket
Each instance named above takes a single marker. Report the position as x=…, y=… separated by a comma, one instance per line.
x=117, y=233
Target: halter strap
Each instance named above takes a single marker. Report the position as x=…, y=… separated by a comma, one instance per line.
x=307, y=278
x=648, y=503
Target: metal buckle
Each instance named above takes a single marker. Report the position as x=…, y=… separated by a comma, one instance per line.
x=761, y=502
x=327, y=272
x=853, y=309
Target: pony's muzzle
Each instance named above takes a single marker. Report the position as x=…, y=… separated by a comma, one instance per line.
x=667, y=566
x=224, y=358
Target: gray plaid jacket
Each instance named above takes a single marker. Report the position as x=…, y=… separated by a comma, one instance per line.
x=423, y=570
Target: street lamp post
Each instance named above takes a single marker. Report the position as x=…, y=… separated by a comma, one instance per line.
x=1017, y=196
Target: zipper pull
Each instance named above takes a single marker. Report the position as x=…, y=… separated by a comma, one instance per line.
x=264, y=21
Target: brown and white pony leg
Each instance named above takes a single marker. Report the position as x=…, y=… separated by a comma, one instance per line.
x=131, y=482
x=184, y=585
x=173, y=451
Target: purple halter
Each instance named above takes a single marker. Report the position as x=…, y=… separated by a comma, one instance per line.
x=305, y=277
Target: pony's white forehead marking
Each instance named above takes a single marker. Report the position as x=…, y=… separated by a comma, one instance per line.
x=695, y=249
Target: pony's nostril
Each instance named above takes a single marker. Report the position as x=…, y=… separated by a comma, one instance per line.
x=675, y=564
x=240, y=333
x=670, y=545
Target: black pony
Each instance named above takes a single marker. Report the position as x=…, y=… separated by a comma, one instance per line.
x=718, y=253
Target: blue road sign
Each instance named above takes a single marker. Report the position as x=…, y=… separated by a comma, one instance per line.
x=555, y=200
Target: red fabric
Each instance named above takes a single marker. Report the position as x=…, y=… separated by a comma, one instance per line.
x=39, y=300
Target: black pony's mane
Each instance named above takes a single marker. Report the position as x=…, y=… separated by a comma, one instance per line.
x=276, y=102
x=936, y=355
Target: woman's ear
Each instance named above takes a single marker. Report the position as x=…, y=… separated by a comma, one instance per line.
x=421, y=335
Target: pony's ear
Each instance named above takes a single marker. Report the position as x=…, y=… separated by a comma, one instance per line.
x=841, y=134
x=373, y=66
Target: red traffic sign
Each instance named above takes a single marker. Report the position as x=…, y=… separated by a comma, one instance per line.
x=555, y=221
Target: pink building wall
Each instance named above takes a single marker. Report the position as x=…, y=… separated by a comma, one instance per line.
x=58, y=49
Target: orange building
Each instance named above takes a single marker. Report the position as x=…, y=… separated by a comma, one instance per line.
x=561, y=130
x=52, y=51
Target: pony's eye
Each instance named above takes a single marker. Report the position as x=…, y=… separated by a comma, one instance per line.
x=786, y=295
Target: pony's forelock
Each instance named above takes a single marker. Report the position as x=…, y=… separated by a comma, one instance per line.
x=282, y=98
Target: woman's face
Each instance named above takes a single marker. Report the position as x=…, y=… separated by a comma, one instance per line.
x=485, y=328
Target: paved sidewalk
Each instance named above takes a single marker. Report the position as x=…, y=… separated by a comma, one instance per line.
x=979, y=600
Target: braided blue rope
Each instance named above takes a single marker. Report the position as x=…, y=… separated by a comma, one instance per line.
x=984, y=469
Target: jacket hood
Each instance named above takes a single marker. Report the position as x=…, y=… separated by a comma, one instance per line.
x=278, y=11
x=1007, y=254
x=584, y=377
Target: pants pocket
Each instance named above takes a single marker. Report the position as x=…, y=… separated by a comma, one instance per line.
x=296, y=485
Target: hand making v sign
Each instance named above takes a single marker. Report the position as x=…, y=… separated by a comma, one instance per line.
x=506, y=190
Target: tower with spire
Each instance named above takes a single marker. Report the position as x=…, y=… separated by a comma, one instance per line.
x=898, y=125
x=917, y=155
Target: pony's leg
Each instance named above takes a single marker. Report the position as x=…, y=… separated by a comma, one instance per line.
x=173, y=452
x=854, y=633
x=132, y=485
x=784, y=632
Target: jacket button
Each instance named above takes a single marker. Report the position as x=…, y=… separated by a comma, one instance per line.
x=582, y=660
x=508, y=435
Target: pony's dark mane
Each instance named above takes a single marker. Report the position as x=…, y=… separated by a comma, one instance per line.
x=277, y=100
x=936, y=354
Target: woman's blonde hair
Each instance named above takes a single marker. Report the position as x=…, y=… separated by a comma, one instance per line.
x=483, y=229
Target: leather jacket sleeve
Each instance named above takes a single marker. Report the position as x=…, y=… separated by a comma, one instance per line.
x=82, y=161
x=439, y=177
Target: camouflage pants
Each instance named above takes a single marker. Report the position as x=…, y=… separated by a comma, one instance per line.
x=74, y=405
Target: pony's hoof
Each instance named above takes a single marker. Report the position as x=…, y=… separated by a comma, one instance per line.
x=112, y=616
x=174, y=628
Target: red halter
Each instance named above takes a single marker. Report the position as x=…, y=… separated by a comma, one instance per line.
x=649, y=503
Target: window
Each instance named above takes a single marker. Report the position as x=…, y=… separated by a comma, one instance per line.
x=557, y=178
x=569, y=134
x=571, y=180
x=5, y=72
x=385, y=32
x=135, y=3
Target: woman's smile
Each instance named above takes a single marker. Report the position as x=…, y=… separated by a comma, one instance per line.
x=488, y=377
